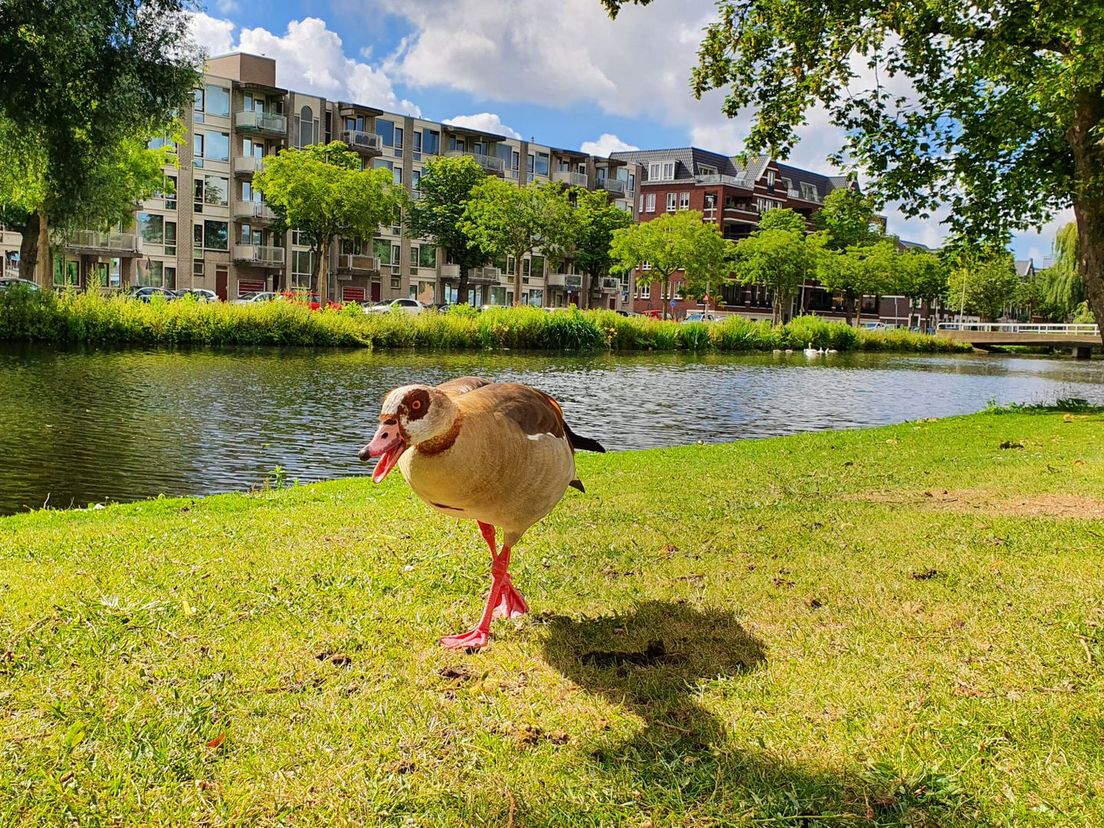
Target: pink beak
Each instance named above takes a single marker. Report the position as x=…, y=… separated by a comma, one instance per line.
x=388, y=445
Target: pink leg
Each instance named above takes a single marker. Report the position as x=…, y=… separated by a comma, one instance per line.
x=503, y=601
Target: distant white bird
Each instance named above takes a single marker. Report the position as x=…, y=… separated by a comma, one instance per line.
x=811, y=351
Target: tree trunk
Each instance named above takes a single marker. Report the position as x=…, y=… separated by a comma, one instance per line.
x=663, y=298
x=1088, y=196
x=28, y=247
x=462, y=287
x=517, y=279
x=322, y=273
x=856, y=303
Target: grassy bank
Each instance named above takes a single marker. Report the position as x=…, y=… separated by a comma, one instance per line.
x=899, y=626
x=90, y=318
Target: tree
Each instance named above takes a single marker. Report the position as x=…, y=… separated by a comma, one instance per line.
x=782, y=218
x=994, y=110
x=781, y=259
x=923, y=276
x=80, y=81
x=860, y=270
x=1064, y=288
x=596, y=220
x=322, y=192
x=984, y=285
x=664, y=244
x=847, y=218
x=507, y=220
x=446, y=188
x=709, y=262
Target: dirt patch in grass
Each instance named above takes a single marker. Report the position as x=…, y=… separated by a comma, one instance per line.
x=975, y=500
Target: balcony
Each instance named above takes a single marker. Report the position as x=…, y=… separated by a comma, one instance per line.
x=450, y=272
x=741, y=181
x=357, y=265
x=10, y=238
x=265, y=123
x=255, y=254
x=811, y=196
x=92, y=242
x=253, y=211
x=614, y=186
x=367, y=143
x=567, y=281
x=246, y=165
x=609, y=284
x=571, y=179
x=490, y=163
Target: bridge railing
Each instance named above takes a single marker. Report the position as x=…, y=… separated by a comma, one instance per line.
x=1021, y=328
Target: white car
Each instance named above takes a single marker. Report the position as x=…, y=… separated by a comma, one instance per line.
x=264, y=296
x=405, y=305
x=14, y=281
x=701, y=316
x=200, y=294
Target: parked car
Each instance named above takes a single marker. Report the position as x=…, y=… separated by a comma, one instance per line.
x=145, y=294
x=874, y=326
x=412, y=306
x=200, y=294
x=701, y=316
x=16, y=282
x=263, y=296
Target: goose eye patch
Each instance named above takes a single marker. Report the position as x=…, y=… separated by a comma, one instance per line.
x=417, y=403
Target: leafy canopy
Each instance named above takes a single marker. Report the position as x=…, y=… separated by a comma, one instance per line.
x=446, y=188
x=778, y=255
x=321, y=191
x=985, y=286
x=596, y=220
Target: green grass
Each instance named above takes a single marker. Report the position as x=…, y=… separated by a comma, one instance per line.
x=90, y=318
x=897, y=626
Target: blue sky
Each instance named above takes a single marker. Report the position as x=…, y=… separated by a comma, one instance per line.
x=561, y=72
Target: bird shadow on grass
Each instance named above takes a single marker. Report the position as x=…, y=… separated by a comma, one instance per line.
x=654, y=661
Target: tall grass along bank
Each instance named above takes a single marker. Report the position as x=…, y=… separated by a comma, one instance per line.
x=91, y=318
x=895, y=627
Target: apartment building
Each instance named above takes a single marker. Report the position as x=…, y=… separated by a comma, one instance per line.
x=733, y=196
x=210, y=228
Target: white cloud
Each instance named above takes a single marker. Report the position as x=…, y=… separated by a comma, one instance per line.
x=607, y=143
x=227, y=6
x=486, y=122
x=214, y=36
x=309, y=58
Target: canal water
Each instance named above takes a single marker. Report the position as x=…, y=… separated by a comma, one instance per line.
x=89, y=426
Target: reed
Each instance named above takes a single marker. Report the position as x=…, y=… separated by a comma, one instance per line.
x=74, y=317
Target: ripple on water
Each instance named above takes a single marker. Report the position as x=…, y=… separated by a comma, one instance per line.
x=87, y=426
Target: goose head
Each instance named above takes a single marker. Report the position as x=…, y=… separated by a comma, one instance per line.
x=410, y=415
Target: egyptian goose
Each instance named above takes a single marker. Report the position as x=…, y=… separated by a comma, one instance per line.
x=496, y=453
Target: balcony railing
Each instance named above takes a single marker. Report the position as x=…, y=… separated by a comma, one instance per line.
x=490, y=163
x=253, y=210
x=367, y=142
x=261, y=122
x=572, y=179
x=614, y=185
x=255, y=254
x=247, y=164
x=806, y=195
x=351, y=263
x=609, y=284
x=121, y=244
x=556, y=280
x=741, y=181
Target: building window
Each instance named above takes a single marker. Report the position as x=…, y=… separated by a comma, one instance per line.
x=217, y=101
x=515, y=160
x=427, y=256
x=542, y=163
x=431, y=142
x=216, y=235
x=396, y=175
x=151, y=228
x=661, y=171
x=217, y=146
x=398, y=140
x=416, y=137
x=197, y=106
x=649, y=203
x=672, y=200
x=302, y=267
x=215, y=189
x=197, y=268
x=770, y=178
x=684, y=201
x=386, y=131
x=170, y=238
x=705, y=169
x=306, y=126
x=197, y=149
x=645, y=290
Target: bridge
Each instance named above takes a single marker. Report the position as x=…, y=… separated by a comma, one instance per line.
x=1080, y=339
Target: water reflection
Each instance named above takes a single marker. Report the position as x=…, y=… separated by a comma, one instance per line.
x=88, y=426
